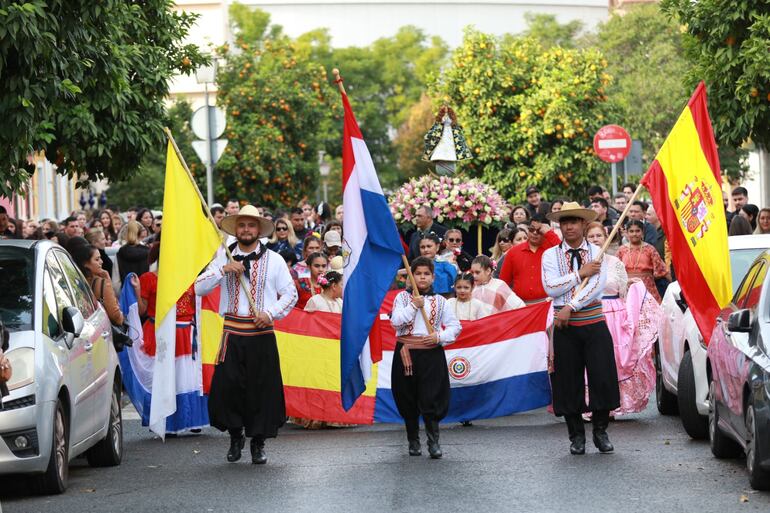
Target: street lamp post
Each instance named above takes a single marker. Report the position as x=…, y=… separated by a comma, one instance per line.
x=323, y=169
x=206, y=75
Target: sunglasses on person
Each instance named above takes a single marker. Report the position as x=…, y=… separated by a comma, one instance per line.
x=533, y=230
x=281, y=229
x=454, y=240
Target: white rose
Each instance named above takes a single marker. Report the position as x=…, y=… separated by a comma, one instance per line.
x=407, y=197
x=444, y=202
x=468, y=203
x=440, y=219
x=434, y=195
x=397, y=216
x=487, y=219
x=487, y=208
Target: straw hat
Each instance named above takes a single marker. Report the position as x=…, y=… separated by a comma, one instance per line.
x=265, y=226
x=573, y=209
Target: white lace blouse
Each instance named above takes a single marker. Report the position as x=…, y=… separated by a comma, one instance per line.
x=617, y=278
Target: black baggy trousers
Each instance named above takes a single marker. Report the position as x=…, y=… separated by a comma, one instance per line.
x=580, y=351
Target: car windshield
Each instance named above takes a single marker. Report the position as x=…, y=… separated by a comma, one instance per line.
x=740, y=261
x=17, y=283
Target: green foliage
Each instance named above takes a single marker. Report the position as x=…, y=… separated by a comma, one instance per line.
x=145, y=188
x=549, y=32
x=409, y=139
x=645, y=57
x=728, y=46
x=383, y=81
x=275, y=103
x=85, y=82
x=530, y=113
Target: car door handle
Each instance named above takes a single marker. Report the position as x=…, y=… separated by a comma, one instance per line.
x=88, y=346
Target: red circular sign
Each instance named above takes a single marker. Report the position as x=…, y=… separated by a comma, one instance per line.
x=612, y=143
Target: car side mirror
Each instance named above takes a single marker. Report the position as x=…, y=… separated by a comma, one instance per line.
x=72, y=321
x=740, y=321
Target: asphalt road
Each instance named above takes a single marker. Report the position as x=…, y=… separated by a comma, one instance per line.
x=518, y=463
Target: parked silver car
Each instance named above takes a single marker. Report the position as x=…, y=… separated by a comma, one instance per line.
x=65, y=390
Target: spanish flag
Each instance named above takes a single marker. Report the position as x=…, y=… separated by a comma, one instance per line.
x=685, y=185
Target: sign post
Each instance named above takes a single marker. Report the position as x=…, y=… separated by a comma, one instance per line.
x=612, y=144
x=208, y=123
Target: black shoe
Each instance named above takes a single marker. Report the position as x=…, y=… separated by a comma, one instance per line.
x=414, y=448
x=431, y=429
x=578, y=446
x=602, y=442
x=577, y=434
x=236, y=446
x=258, y=456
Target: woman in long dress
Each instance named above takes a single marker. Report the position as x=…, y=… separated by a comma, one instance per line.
x=641, y=259
x=632, y=316
x=493, y=292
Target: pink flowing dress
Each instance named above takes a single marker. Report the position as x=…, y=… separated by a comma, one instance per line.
x=632, y=316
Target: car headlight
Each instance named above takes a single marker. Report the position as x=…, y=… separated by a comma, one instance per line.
x=23, y=367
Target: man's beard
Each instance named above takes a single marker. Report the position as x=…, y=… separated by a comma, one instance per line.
x=246, y=239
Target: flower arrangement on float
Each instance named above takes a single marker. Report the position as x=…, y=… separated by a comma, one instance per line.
x=457, y=202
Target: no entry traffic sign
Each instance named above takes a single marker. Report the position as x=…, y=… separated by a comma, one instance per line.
x=612, y=143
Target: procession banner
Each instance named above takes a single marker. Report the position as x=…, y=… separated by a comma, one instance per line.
x=497, y=367
x=309, y=347
x=685, y=186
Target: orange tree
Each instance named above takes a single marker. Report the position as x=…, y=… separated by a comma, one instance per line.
x=529, y=112
x=276, y=104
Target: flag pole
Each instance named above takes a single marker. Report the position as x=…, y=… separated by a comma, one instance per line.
x=210, y=217
x=612, y=234
x=415, y=292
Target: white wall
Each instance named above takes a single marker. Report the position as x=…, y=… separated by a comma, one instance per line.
x=758, y=180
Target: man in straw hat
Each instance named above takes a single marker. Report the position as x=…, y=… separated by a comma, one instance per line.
x=247, y=388
x=582, y=344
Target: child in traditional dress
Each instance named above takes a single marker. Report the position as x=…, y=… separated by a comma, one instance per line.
x=419, y=375
x=330, y=298
x=493, y=292
x=464, y=305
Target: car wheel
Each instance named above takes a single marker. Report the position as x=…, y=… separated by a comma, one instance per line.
x=759, y=479
x=695, y=424
x=665, y=400
x=109, y=451
x=54, y=481
x=722, y=446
